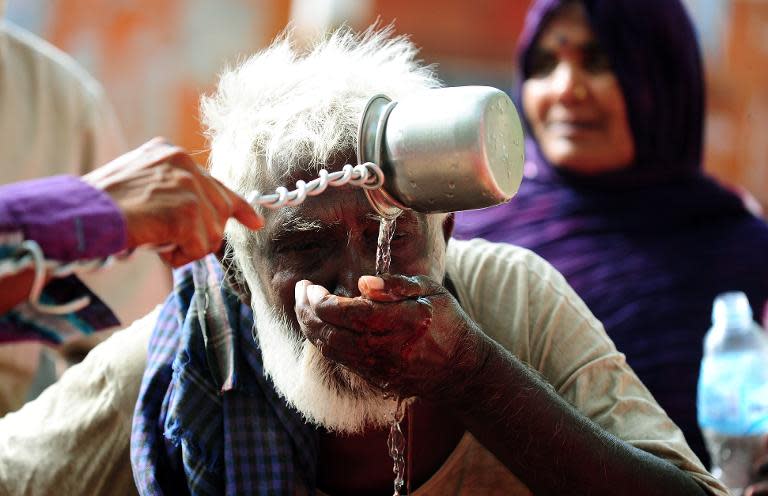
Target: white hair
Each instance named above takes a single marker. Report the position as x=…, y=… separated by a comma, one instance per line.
x=280, y=112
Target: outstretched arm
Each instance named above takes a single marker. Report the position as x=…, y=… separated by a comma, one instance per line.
x=411, y=337
x=154, y=195
x=546, y=442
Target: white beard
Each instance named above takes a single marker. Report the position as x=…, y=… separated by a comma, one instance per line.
x=325, y=393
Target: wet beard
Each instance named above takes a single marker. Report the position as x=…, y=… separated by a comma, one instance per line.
x=324, y=392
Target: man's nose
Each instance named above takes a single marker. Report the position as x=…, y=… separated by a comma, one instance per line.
x=569, y=82
x=352, y=264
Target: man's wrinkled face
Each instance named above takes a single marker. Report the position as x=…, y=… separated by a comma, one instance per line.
x=331, y=241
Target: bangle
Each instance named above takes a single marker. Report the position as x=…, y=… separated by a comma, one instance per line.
x=38, y=260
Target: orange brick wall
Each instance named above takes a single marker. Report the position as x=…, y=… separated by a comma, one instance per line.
x=737, y=147
x=156, y=56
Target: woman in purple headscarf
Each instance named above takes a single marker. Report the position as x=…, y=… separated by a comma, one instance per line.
x=614, y=197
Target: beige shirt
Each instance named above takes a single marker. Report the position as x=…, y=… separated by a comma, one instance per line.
x=55, y=119
x=74, y=438
x=515, y=296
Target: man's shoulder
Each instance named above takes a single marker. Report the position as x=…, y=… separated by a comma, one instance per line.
x=470, y=257
x=123, y=356
x=97, y=397
x=509, y=291
x=494, y=283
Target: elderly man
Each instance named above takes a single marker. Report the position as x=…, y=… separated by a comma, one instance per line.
x=513, y=385
x=278, y=371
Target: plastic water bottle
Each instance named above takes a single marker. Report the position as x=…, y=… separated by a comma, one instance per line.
x=733, y=390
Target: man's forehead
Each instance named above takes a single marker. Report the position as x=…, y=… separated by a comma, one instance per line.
x=333, y=207
x=345, y=207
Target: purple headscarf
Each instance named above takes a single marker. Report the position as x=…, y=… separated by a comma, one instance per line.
x=649, y=246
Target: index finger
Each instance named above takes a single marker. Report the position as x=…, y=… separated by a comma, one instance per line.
x=241, y=209
x=758, y=489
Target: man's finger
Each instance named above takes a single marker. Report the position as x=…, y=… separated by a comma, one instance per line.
x=193, y=248
x=362, y=315
x=209, y=221
x=316, y=293
x=175, y=258
x=337, y=344
x=218, y=195
x=760, y=467
x=759, y=489
x=390, y=287
x=305, y=314
x=300, y=293
x=244, y=212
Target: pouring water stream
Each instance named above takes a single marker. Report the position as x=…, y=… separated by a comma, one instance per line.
x=396, y=439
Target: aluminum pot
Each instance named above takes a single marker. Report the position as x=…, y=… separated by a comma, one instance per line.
x=443, y=150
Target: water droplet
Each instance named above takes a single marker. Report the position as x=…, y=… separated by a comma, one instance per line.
x=451, y=185
x=396, y=446
x=414, y=185
x=383, y=248
x=449, y=195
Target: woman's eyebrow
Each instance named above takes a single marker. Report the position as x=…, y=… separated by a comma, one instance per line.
x=590, y=44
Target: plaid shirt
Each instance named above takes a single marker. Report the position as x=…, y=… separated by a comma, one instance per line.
x=207, y=420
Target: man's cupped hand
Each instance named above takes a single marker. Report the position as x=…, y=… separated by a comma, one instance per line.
x=406, y=335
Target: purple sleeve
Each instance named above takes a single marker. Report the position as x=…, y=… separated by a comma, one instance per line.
x=69, y=219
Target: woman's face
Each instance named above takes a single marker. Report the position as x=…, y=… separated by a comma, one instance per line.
x=572, y=99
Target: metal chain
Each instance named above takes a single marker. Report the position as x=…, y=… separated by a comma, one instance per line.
x=35, y=258
x=367, y=176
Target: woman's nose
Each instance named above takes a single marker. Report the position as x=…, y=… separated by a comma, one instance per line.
x=568, y=82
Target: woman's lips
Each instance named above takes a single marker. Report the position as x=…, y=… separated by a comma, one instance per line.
x=568, y=128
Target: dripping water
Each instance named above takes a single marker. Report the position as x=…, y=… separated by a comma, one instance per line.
x=396, y=442
x=383, y=247
x=396, y=445
x=409, y=451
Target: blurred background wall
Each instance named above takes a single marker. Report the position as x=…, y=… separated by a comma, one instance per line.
x=155, y=57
